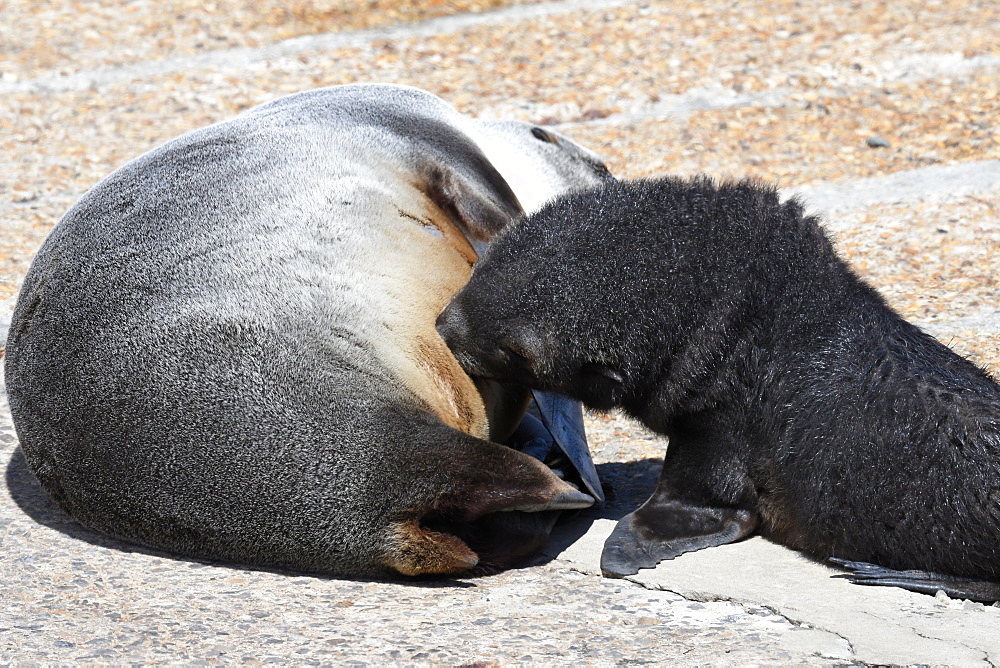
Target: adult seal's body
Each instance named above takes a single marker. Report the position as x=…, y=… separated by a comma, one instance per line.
x=226, y=349
x=797, y=403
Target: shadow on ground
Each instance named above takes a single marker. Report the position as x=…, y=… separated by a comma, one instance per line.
x=29, y=496
x=626, y=484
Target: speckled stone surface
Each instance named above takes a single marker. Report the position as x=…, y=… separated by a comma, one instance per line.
x=885, y=113
x=71, y=595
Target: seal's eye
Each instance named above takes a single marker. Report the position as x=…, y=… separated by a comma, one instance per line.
x=603, y=172
x=544, y=135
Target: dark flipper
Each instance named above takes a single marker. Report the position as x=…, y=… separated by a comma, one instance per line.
x=698, y=501
x=563, y=419
x=665, y=528
x=924, y=582
x=491, y=508
x=546, y=426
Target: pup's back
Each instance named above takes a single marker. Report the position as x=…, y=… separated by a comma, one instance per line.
x=796, y=401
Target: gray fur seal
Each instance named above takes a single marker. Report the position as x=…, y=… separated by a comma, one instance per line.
x=797, y=403
x=226, y=349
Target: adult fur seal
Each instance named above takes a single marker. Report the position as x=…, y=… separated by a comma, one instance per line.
x=226, y=349
x=796, y=402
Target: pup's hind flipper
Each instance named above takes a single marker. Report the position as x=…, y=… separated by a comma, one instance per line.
x=562, y=424
x=924, y=582
x=665, y=528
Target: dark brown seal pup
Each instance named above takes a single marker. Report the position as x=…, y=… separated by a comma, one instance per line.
x=226, y=349
x=796, y=402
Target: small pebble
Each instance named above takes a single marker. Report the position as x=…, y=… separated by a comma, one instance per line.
x=877, y=142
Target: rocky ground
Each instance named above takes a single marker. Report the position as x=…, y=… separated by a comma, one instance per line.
x=884, y=116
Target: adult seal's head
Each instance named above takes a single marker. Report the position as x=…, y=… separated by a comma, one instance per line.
x=226, y=349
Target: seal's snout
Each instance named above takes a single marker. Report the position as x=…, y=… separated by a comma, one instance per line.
x=452, y=325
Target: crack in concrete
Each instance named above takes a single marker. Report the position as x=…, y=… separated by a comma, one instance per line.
x=747, y=607
x=919, y=634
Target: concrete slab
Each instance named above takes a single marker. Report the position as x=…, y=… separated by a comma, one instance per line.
x=71, y=595
x=874, y=625
x=915, y=184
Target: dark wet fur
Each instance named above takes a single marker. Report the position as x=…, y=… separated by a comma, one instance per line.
x=722, y=317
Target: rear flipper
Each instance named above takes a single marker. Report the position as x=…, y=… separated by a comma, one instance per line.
x=552, y=431
x=924, y=582
x=505, y=539
x=487, y=508
x=666, y=528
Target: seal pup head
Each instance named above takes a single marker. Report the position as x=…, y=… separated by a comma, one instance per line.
x=541, y=307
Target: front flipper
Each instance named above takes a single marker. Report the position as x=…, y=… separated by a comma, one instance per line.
x=703, y=498
x=664, y=528
x=924, y=582
x=544, y=426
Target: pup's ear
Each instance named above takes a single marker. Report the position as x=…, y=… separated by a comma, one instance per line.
x=601, y=387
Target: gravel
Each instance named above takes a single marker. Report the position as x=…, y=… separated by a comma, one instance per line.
x=773, y=89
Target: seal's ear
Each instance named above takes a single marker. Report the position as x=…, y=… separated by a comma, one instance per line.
x=475, y=194
x=454, y=171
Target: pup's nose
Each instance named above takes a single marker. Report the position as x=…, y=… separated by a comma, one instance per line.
x=452, y=325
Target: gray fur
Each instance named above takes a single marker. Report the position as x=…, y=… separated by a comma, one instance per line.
x=202, y=356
